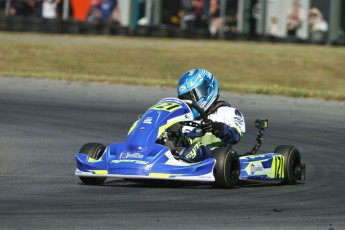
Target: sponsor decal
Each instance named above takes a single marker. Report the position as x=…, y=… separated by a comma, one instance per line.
x=168, y=100
x=202, y=105
x=239, y=123
x=204, y=177
x=191, y=84
x=239, y=119
x=125, y=155
x=238, y=113
x=130, y=161
x=256, y=168
x=148, y=120
x=260, y=156
x=167, y=106
x=182, y=88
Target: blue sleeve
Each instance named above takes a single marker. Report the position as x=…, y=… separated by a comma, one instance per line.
x=230, y=135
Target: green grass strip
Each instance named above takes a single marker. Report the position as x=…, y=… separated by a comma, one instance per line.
x=246, y=67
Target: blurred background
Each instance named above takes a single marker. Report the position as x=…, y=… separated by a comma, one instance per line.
x=291, y=21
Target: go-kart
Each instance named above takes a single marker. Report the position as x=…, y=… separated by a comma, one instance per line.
x=148, y=154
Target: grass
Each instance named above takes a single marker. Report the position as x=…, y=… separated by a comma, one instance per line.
x=247, y=67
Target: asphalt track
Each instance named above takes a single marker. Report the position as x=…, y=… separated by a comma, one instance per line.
x=43, y=124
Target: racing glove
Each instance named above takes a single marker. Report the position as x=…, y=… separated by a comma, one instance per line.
x=183, y=141
x=216, y=128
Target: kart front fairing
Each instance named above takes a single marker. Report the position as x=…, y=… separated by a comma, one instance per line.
x=141, y=157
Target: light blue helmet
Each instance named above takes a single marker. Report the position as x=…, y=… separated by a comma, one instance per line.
x=200, y=86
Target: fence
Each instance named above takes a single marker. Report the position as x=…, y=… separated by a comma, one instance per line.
x=307, y=21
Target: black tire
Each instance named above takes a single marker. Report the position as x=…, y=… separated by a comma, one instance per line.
x=95, y=151
x=292, y=163
x=227, y=168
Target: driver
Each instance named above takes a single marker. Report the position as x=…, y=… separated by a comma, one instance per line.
x=224, y=125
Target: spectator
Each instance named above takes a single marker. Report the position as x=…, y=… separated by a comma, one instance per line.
x=49, y=9
x=23, y=8
x=231, y=16
x=294, y=17
x=199, y=14
x=95, y=12
x=106, y=9
x=189, y=17
x=59, y=8
x=318, y=27
x=103, y=10
x=215, y=18
x=205, y=8
x=146, y=16
x=273, y=30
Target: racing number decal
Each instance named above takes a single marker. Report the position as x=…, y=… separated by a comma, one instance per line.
x=278, y=167
x=167, y=106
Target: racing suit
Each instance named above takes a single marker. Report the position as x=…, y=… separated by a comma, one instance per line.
x=231, y=127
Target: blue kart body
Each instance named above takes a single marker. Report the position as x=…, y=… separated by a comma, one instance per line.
x=140, y=157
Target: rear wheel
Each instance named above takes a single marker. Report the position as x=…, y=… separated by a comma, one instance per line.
x=227, y=168
x=95, y=151
x=292, y=163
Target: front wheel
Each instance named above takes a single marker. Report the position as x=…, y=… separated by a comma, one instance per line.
x=227, y=168
x=95, y=151
x=292, y=163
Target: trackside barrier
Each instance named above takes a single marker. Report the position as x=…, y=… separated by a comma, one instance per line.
x=53, y=26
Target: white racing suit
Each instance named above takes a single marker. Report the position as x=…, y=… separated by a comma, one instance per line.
x=199, y=148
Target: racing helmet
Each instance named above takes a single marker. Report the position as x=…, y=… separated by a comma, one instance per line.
x=200, y=86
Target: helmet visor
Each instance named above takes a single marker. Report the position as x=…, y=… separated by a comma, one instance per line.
x=200, y=91
x=195, y=94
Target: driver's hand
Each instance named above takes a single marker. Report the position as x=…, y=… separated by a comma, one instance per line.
x=183, y=141
x=216, y=128
x=207, y=125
